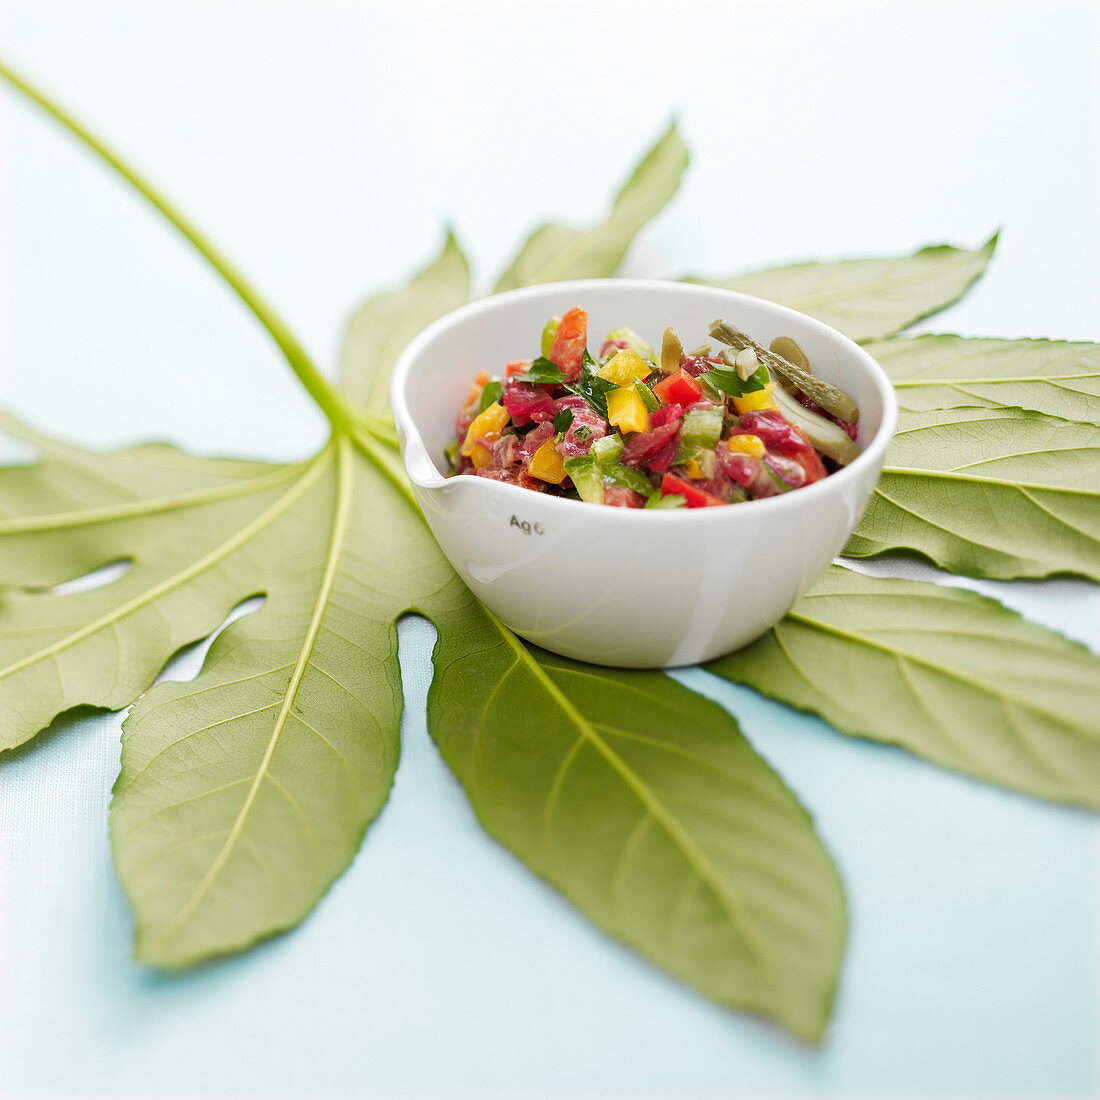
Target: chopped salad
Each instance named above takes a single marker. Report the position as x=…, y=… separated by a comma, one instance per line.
x=636, y=427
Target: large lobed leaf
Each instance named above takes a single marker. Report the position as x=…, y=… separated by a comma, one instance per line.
x=76, y=511
x=245, y=792
x=873, y=298
x=382, y=327
x=989, y=492
x=557, y=252
x=642, y=802
x=1055, y=377
x=947, y=674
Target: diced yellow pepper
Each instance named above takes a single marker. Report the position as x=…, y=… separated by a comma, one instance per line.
x=547, y=465
x=626, y=410
x=757, y=401
x=695, y=471
x=751, y=445
x=482, y=454
x=486, y=425
x=624, y=367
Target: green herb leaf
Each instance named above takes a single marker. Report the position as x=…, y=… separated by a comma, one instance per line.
x=941, y=372
x=542, y=372
x=869, y=299
x=645, y=806
x=593, y=389
x=729, y=381
x=555, y=252
x=379, y=331
x=489, y=394
x=949, y=675
x=990, y=493
x=562, y=420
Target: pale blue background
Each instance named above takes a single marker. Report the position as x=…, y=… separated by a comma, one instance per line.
x=323, y=145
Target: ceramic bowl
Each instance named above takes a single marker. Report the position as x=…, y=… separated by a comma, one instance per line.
x=633, y=588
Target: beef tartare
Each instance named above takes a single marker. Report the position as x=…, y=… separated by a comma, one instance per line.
x=636, y=427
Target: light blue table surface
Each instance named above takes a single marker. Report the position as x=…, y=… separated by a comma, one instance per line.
x=437, y=966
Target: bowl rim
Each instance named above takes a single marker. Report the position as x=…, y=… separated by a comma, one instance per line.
x=413, y=446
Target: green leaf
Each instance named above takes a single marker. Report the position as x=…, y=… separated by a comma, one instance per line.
x=1001, y=493
x=941, y=372
x=541, y=372
x=76, y=511
x=593, y=389
x=555, y=252
x=246, y=791
x=869, y=299
x=379, y=331
x=729, y=381
x=643, y=804
x=949, y=675
x=490, y=395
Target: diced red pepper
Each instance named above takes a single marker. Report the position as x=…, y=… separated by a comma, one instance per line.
x=693, y=497
x=569, y=343
x=518, y=367
x=679, y=388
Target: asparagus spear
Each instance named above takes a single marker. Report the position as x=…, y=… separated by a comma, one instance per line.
x=831, y=398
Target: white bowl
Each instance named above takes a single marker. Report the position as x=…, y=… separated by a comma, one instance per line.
x=619, y=586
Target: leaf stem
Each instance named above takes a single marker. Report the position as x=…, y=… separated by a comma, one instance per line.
x=332, y=403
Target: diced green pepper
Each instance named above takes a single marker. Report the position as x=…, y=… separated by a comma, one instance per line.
x=608, y=449
x=629, y=478
x=587, y=477
x=633, y=340
x=548, y=335
x=649, y=398
x=687, y=453
x=702, y=426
